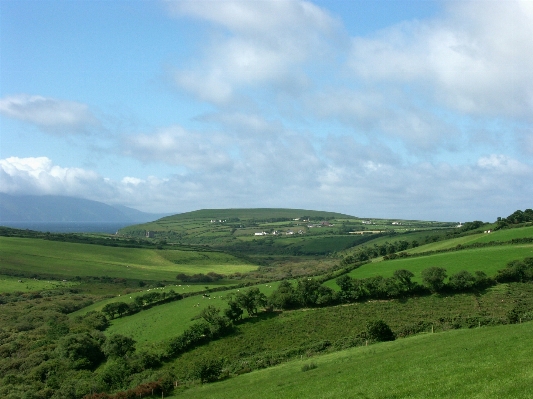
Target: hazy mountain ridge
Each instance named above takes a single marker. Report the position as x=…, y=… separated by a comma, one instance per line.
x=54, y=208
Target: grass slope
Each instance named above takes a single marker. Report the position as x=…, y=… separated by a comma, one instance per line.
x=489, y=260
x=496, y=236
x=71, y=259
x=15, y=284
x=166, y=321
x=493, y=362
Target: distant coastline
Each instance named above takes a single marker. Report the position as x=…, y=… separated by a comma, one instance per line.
x=70, y=227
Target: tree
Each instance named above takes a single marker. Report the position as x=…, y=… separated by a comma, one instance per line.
x=346, y=284
x=251, y=300
x=234, y=311
x=208, y=370
x=378, y=330
x=284, y=297
x=404, y=278
x=516, y=270
x=307, y=291
x=111, y=309
x=433, y=278
x=82, y=350
x=462, y=280
x=219, y=324
x=118, y=345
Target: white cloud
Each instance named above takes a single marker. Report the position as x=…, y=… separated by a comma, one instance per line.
x=477, y=60
x=40, y=176
x=261, y=42
x=49, y=114
x=176, y=146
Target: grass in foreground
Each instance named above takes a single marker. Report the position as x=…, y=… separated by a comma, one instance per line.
x=493, y=362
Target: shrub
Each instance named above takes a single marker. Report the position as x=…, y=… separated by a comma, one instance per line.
x=433, y=278
x=379, y=331
x=208, y=370
x=462, y=281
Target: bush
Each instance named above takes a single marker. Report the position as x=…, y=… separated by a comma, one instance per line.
x=379, y=331
x=462, y=281
x=433, y=278
x=208, y=370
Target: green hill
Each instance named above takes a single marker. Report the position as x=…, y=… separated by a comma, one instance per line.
x=67, y=260
x=476, y=363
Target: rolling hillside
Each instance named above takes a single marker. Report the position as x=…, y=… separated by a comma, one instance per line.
x=478, y=363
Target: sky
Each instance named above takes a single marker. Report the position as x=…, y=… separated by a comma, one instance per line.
x=408, y=109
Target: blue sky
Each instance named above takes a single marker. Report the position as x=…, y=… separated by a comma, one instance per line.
x=402, y=109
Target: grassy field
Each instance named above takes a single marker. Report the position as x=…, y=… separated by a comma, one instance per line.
x=499, y=235
x=71, y=259
x=171, y=319
x=15, y=284
x=489, y=260
x=493, y=362
x=128, y=295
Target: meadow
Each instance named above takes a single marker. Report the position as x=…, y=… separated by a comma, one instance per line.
x=494, y=236
x=488, y=260
x=67, y=260
x=166, y=321
x=15, y=284
x=477, y=363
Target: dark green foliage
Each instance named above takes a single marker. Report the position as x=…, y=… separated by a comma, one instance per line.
x=310, y=292
x=433, y=278
x=115, y=308
x=200, y=278
x=516, y=270
x=95, y=320
x=379, y=331
x=57, y=329
x=233, y=311
x=284, y=297
x=404, y=278
x=251, y=300
x=476, y=224
x=482, y=280
x=82, y=350
x=517, y=217
x=462, y=281
x=118, y=346
x=219, y=325
x=208, y=370
x=114, y=374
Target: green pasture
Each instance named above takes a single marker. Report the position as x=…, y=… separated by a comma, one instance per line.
x=496, y=236
x=479, y=363
x=129, y=295
x=488, y=259
x=17, y=284
x=168, y=320
x=71, y=259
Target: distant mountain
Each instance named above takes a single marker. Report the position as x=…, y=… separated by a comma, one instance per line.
x=54, y=208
